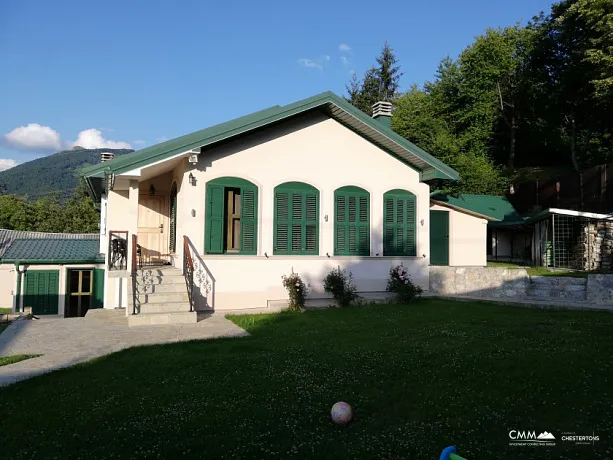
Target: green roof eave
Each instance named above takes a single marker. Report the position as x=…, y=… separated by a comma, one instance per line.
x=375, y=131
x=98, y=260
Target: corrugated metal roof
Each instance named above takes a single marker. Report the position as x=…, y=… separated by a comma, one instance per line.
x=53, y=249
x=335, y=106
x=8, y=236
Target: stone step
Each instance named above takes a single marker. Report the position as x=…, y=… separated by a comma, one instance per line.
x=144, y=319
x=164, y=297
x=155, y=280
x=558, y=280
x=169, y=307
x=556, y=293
x=173, y=287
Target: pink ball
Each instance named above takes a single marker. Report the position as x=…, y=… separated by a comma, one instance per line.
x=341, y=413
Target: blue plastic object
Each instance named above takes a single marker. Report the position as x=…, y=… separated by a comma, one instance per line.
x=447, y=451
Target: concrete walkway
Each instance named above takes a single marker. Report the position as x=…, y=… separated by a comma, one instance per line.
x=63, y=342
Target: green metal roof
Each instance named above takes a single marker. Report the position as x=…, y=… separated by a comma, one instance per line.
x=328, y=102
x=53, y=250
x=492, y=206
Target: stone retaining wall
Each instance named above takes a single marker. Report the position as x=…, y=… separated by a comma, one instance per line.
x=495, y=283
x=479, y=281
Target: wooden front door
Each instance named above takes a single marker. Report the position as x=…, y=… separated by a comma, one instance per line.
x=151, y=232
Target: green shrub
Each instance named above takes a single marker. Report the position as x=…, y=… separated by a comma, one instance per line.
x=341, y=286
x=297, y=291
x=401, y=285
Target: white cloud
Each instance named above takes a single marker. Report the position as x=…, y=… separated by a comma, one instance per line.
x=138, y=142
x=5, y=164
x=326, y=58
x=92, y=139
x=33, y=137
x=345, y=61
x=305, y=62
x=344, y=47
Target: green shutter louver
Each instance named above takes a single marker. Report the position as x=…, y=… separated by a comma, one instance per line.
x=296, y=226
x=351, y=221
x=249, y=216
x=214, y=225
x=98, y=294
x=399, y=224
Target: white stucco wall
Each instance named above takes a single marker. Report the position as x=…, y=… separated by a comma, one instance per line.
x=8, y=278
x=467, y=238
x=313, y=149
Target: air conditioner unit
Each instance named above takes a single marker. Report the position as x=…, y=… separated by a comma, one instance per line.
x=193, y=159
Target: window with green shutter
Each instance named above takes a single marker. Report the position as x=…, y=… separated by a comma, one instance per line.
x=399, y=223
x=351, y=222
x=296, y=223
x=231, y=225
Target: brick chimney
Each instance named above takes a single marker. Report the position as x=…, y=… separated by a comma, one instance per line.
x=382, y=111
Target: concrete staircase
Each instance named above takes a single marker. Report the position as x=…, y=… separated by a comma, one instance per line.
x=163, y=297
x=557, y=288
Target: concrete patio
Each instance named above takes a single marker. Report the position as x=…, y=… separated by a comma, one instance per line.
x=64, y=342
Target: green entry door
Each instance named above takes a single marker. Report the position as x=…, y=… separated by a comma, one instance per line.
x=41, y=291
x=439, y=238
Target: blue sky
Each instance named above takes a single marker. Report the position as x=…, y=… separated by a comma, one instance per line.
x=117, y=73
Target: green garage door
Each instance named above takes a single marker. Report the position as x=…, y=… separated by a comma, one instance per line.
x=41, y=291
x=439, y=238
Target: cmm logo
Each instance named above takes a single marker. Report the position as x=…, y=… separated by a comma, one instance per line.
x=529, y=438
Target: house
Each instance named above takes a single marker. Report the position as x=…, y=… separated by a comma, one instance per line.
x=213, y=219
x=52, y=273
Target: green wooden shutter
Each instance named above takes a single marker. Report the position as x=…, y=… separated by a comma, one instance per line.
x=281, y=223
x=352, y=221
x=399, y=224
x=296, y=219
x=42, y=291
x=98, y=294
x=214, y=236
x=249, y=220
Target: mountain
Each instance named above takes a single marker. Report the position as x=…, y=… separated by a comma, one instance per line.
x=55, y=173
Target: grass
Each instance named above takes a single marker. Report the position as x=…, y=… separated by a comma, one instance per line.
x=5, y=310
x=540, y=271
x=6, y=360
x=419, y=378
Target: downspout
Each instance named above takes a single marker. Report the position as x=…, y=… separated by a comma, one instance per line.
x=18, y=293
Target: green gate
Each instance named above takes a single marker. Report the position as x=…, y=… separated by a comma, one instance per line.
x=41, y=291
x=439, y=238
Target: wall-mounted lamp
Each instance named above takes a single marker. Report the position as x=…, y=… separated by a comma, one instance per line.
x=422, y=222
x=151, y=190
x=192, y=179
x=326, y=217
x=328, y=254
x=193, y=213
x=266, y=254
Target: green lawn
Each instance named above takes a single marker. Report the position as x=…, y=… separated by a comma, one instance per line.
x=6, y=360
x=5, y=310
x=540, y=271
x=419, y=378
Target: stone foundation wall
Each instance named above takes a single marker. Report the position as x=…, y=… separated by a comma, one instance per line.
x=479, y=281
x=600, y=289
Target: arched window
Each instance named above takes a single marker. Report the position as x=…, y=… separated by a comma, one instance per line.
x=231, y=225
x=172, y=244
x=399, y=223
x=296, y=219
x=351, y=221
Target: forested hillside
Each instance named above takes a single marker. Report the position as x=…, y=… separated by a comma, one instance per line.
x=53, y=174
